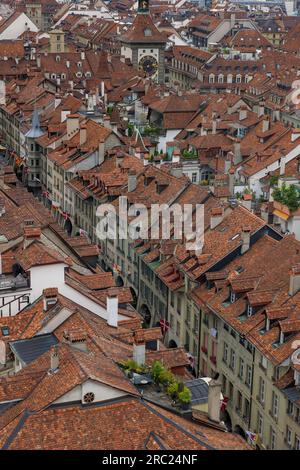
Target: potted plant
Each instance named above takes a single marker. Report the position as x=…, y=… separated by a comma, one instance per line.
x=184, y=398
x=156, y=370
x=172, y=390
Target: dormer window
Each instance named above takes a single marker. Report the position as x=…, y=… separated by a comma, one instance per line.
x=57, y=58
x=232, y=297
x=79, y=64
x=5, y=331
x=78, y=74
x=267, y=324
x=147, y=32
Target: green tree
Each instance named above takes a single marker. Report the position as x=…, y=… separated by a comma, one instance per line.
x=287, y=195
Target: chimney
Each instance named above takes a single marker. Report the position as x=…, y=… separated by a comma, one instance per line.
x=54, y=359
x=131, y=180
x=102, y=89
x=246, y=232
x=176, y=156
x=243, y=113
x=112, y=310
x=265, y=124
x=64, y=114
x=82, y=55
x=237, y=152
x=101, y=152
x=67, y=64
x=261, y=109
x=231, y=175
x=294, y=280
x=38, y=61
x=31, y=233
x=282, y=165
x=214, y=400
x=50, y=297
x=247, y=201
x=82, y=135
x=214, y=126
x=139, y=350
x=106, y=122
x=72, y=125
x=77, y=338
x=216, y=216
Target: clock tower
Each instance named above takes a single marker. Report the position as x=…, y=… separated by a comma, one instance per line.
x=145, y=45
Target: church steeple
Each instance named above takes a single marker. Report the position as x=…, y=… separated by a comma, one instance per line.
x=143, y=6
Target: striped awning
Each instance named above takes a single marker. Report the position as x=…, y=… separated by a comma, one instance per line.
x=281, y=214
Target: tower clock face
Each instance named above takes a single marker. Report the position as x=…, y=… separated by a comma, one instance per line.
x=149, y=65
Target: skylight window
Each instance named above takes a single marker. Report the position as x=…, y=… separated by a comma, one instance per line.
x=5, y=331
x=235, y=236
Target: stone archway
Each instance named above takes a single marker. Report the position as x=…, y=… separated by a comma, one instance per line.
x=172, y=344
x=146, y=314
x=134, y=297
x=119, y=281
x=227, y=420
x=68, y=227
x=239, y=430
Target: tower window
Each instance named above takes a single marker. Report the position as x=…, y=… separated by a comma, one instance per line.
x=147, y=32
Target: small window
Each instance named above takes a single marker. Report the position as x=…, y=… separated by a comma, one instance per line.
x=5, y=331
x=89, y=397
x=147, y=32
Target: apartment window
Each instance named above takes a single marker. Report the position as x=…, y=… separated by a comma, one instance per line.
x=205, y=319
x=230, y=391
x=297, y=443
x=232, y=359
x=239, y=401
x=215, y=323
x=178, y=328
x=225, y=353
x=263, y=361
x=194, y=177
x=272, y=439
x=288, y=436
x=224, y=383
x=248, y=375
x=172, y=299
x=290, y=407
x=260, y=424
x=261, y=390
x=274, y=405
x=246, y=409
x=241, y=368
x=196, y=323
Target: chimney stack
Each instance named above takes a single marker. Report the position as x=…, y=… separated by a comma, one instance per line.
x=131, y=180
x=246, y=232
x=54, y=359
x=101, y=152
x=216, y=216
x=112, y=310
x=294, y=280
x=237, y=152
x=82, y=135
x=231, y=175
x=214, y=400
x=139, y=349
x=265, y=124
x=50, y=297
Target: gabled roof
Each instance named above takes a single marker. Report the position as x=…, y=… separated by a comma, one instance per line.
x=143, y=30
